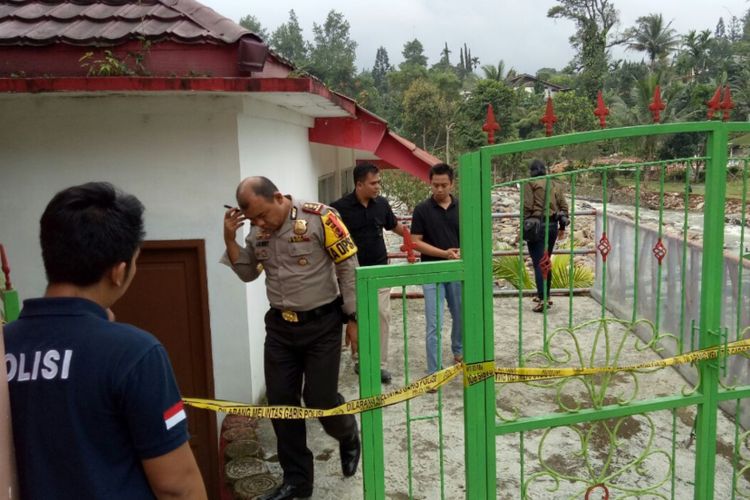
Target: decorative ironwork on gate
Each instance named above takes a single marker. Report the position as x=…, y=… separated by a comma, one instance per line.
x=664, y=285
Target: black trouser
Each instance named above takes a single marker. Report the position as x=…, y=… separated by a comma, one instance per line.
x=309, y=351
x=536, y=250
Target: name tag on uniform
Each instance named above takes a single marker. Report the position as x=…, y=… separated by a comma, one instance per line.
x=263, y=243
x=299, y=238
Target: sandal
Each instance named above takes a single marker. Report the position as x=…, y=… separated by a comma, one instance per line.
x=540, y=307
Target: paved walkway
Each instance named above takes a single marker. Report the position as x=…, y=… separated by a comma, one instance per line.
x=559, y=450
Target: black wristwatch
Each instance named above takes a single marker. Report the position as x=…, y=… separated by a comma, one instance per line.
x=352, y=317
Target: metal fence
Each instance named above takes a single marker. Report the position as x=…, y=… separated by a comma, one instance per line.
x=631, y=434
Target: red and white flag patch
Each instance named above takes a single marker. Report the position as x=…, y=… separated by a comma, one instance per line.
x=174, y=415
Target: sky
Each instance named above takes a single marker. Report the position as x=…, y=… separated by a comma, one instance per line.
x=518, y=31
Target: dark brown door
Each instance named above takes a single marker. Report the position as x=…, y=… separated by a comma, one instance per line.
x=169, y=298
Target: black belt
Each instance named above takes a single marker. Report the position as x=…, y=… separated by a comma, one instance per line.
x=304, y=316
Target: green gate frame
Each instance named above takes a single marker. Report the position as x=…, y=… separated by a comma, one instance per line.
x=475, y=271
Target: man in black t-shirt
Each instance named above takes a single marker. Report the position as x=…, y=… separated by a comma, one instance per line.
x=366, y=214
x=435, y=231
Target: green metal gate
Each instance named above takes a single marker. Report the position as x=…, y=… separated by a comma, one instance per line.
x=568, y=438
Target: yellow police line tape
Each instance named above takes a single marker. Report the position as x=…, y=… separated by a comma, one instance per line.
x=473, y=373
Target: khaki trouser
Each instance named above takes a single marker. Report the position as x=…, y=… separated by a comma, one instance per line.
x=384, y=308
x=384, y=311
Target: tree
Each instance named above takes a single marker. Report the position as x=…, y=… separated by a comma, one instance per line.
x=465, y=65
x=594, y=20
x=423, y=111
x=445, y=56
x=367, y=94
x=652, y=36
x=333, y=52
x=288, y=41
x=693, y=58
x=574, y=113
x=497, y=73
x=380, y=69
x=721, y=29
x=411, y=69
x=621, y=78
x=414, y=54
x=251, y=23
x=473, y=112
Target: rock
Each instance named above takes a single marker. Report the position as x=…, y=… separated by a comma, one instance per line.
x=244, y=467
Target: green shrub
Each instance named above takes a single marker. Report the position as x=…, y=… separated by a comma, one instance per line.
x=512, y=268
x=583, y=276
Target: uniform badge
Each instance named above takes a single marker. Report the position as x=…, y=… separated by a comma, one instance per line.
x=302, y=261
x=300, y=226
x=313, y=208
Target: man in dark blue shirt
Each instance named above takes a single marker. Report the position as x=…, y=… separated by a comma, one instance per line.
x=95, y=407
x=436, y=236
x=365, y=213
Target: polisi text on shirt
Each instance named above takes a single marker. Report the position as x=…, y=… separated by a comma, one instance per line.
x=22, y=367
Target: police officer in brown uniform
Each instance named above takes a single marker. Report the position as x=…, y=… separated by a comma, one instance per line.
x=309, y=261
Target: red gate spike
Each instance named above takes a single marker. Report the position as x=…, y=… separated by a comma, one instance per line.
x=545, y=265
x=601, y=110
x=714, y=104
x=409, y=246
x=549, y=117
x=490, y=125
x=726, y=103
x=657, y=105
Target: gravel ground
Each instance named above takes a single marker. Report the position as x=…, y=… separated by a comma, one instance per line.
x=648, y=436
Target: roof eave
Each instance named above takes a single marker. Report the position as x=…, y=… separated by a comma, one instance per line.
x=124, y=84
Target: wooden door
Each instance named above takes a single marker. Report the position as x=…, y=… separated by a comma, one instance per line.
x=168, y=297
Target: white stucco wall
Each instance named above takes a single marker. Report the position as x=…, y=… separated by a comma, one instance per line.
x=182, y=156
x=178, y=154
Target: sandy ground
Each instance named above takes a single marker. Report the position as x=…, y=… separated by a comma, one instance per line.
x=647, y=436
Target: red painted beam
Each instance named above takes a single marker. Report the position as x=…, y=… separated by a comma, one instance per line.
x=399, y=154
x=171, y=84
x=352, y=133
x=367, y=132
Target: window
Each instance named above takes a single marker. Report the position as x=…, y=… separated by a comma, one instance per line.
x=347, y=181
x=326, y=191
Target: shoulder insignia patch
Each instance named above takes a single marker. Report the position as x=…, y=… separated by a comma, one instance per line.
x=338, y=242
x=313, y=208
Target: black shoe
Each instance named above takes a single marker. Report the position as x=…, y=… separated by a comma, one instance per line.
x=287, y=491
x=349, y=450
x=385, y=376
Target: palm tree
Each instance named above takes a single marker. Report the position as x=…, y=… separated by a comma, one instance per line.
x=652, y=36
x=695, y=46
x=497, y=73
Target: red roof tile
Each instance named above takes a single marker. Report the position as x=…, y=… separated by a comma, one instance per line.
x=111, y=22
